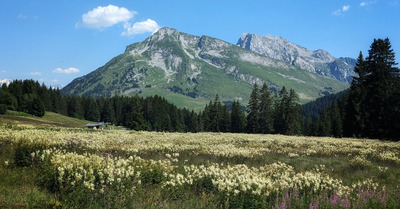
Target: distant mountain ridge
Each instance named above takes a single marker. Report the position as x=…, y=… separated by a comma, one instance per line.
x=318, y=61
x=193, y=69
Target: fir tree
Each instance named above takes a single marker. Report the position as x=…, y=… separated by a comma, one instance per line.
x=137, y=121
x=281, y=111
x=253, y=111
x=266, y=120
x=238, y=118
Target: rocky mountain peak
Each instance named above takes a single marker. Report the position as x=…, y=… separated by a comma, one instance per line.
x=318, y=61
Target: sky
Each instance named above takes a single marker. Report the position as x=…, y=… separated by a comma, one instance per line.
x=55, y=42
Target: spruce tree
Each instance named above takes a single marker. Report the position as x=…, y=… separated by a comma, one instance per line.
x=281, y=111
x=266, y=120
x=336, y=120
x=355, y=114
x=253, y=111
x=293, y=115
x=137, y=121
x=373, y=103
x=238, y=118
x=381, y=81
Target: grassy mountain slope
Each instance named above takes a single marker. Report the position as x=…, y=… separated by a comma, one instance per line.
x=192, y=69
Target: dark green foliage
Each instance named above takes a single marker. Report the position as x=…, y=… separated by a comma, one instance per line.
x=108, y=113
x=29, y=96
x=137, y=121
x=22, y=155
x=91, y=110
x=266, y=119
x=371, y=108
x=3, y=109
x=238, y=118
x=33, y=105
x=315, y=108
x=288, y=118
x=253, y=111
x=373, y=103
x=7, y=99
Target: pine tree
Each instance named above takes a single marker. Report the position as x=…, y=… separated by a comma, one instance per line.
x=373, y=103
x=308, y=126
x=253, y=111
x=92, y=112
x=238, y=118
x=137, y=121
x=215, y=115
x=107, y=113
x=355, y=115
x=381, y=81
x=336, y=120
x=294, y=118
x=281, y=111
x=225, y=121
x=266, y=120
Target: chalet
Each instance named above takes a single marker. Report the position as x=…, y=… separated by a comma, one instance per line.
x=97, y=126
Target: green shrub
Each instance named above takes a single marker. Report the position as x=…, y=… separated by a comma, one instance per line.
x=22, y=155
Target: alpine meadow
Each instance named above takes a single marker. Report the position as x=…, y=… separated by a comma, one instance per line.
x=185, y=120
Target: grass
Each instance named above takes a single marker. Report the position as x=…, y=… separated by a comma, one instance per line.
x=48, y=120
x=17, y=185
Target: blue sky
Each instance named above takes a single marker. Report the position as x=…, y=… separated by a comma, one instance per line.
x=56, y=41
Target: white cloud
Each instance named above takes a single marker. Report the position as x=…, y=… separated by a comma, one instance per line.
x=66, y=71
x=3, y=71
x=103, y=17
x=148, y=26
x=35, y=73
x=338, y=12
x=366, y=3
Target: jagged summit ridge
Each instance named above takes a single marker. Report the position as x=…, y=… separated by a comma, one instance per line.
x=318, y=61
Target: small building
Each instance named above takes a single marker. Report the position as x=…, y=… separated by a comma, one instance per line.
x=97, y=126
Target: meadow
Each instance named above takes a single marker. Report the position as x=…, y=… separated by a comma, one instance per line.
x=54, y=167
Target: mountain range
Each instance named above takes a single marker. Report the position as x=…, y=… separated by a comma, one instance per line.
x=190, y=70
x=318, y=61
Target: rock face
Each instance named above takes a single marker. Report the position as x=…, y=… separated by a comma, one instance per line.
x=318, y=61
x=174, y=63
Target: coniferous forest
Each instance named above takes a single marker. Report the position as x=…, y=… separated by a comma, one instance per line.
x=369, y=109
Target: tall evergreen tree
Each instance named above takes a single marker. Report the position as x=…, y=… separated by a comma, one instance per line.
x=355, y=114
x=253, y=111
x=107, y=113
x=336, y=120
x=92, y=112
x=266, y=119
x=281, y=111
x=381, y=82
x=373, y=103
x=225, y=121
x=215, y=115
x=293, y=115
x=308, y=126
x=238, y=118
x=137, y=121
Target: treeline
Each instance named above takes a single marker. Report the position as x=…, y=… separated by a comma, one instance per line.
x=371, y=108
x=152, y=113
x=29, y=96
x=267, y=113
